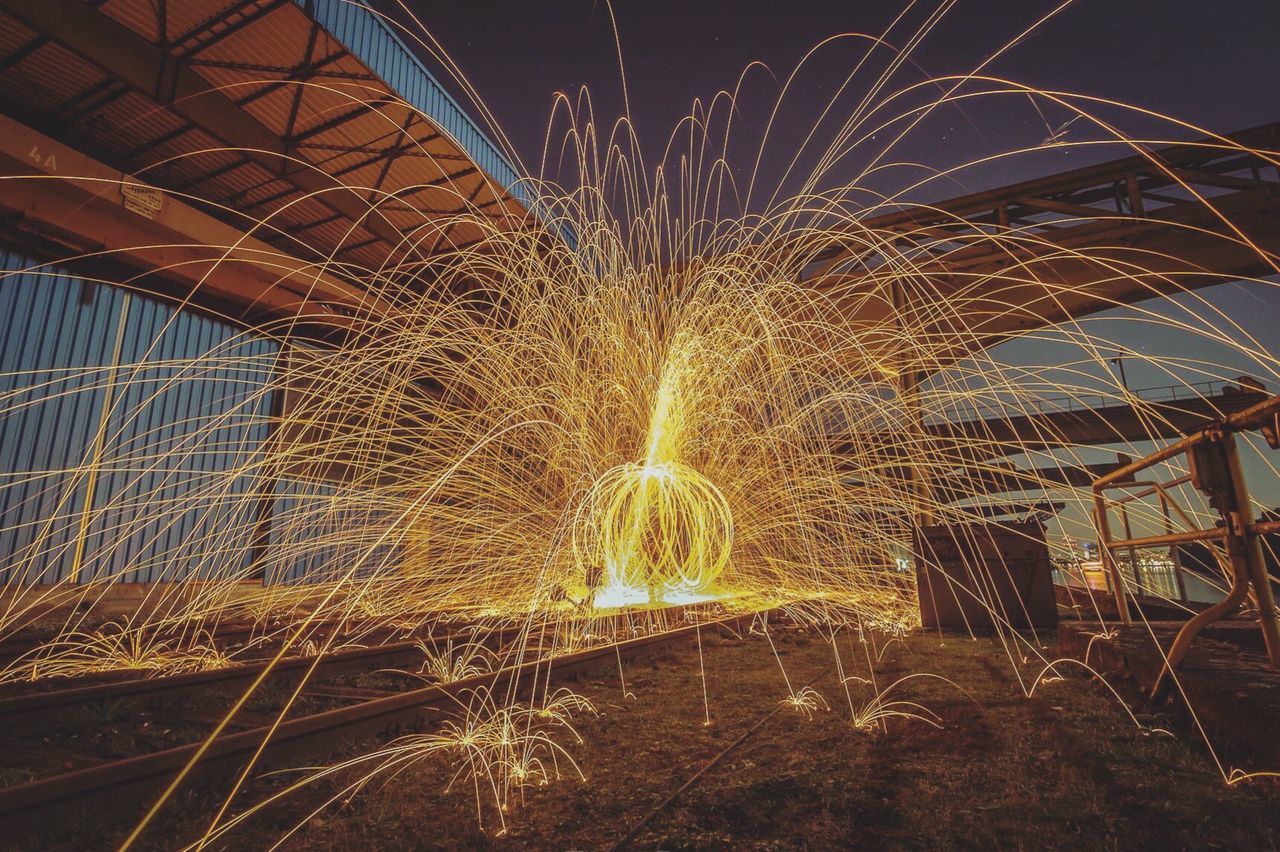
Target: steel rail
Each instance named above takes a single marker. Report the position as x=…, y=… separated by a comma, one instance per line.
x=119, y=789
x=1187, y=537
x=21, y=712
x=227, y=633
x=18, y=711
x=17, y=648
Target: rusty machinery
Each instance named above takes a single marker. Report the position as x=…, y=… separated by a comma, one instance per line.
x=1213, y=465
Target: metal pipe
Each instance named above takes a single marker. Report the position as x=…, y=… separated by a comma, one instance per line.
x=1249, y=418
x=1240, y=535
x=1124, y=473
x=1154, y=488
x=1185, y=537
x=1244, y=420
x=1108, y=559
x=1223, y=608
x=1132, y=484
x=1175, y=555
x=1133, y=550
x=1214, y=549
x=1254, y=563
x=1253, y=416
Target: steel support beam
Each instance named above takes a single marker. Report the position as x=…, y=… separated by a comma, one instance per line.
x=150, y=69
x=1148, y=239
x=968, y=442
x=61, y=192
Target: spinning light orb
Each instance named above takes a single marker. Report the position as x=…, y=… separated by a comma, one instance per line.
x=653, y=533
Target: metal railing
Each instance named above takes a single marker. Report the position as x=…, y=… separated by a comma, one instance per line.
x=1213, y=460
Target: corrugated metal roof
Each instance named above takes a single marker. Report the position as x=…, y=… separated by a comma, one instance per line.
x=381, y=48
x=327, y=79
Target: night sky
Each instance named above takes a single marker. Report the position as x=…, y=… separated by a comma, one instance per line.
x=1213, y=64
x=1216, y=65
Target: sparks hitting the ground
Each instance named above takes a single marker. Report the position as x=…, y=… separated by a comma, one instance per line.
x=672, y=385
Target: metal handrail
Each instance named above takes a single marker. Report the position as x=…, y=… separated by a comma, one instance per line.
x=1220, y=475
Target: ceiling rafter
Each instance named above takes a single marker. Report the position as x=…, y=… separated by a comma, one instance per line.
x=302, y=136
x=23, y=52
x=223, y=25
x=282, y=70
x=241, y=164
x=124, y=54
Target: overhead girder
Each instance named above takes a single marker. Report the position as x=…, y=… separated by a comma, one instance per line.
x=969, y=442
x=998, y=478
x=149, y=68
x=77, y=201
x=999, y=273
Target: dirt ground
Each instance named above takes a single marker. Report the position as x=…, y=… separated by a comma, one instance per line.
x=1067, y=768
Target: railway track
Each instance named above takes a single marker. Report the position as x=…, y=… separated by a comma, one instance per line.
x=22, y=713
x=379, y=647
x=117, y=790
x=224, y=636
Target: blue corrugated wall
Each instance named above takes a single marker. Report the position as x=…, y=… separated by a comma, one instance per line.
x=133, y=447
x=130, y=433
